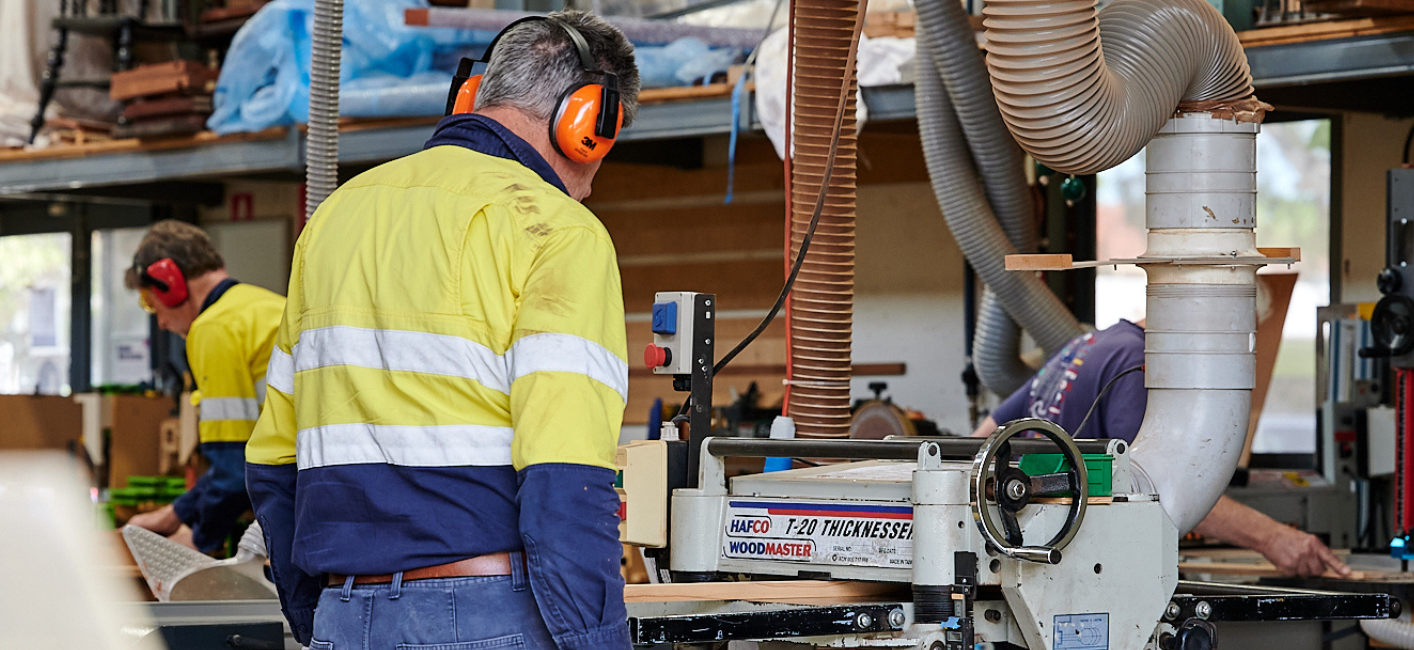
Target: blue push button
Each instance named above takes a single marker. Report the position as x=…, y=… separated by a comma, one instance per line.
x=665, y=318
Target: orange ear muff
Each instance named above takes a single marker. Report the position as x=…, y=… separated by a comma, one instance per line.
x=572, y=130
x=466, y=97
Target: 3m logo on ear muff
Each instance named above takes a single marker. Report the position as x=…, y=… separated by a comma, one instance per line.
x=165, y=280
x=587, y=117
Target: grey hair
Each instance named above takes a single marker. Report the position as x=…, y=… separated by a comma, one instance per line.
x=535, y=63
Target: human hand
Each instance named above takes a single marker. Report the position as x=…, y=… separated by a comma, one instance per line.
x=162, y=521
x=1296, y=553
x=183, y=537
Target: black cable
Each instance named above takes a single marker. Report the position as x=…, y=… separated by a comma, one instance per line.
x=1096, y=403
x=1408, y=138
x=814, y=216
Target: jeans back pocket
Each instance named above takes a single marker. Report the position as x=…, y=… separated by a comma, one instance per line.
x=510, y=641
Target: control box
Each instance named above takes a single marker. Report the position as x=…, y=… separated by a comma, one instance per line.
x=674, y=317
x=649, y=471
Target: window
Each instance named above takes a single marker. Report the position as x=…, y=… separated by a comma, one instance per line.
x=121, y=329
x=1293, y=209
x=35, y=309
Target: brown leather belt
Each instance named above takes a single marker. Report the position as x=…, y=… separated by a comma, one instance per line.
x=494, y=564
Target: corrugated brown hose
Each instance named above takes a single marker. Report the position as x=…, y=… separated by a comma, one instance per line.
x=823, y=179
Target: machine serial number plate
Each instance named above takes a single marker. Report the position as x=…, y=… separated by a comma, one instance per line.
x=822, y=532
x=1081, y=632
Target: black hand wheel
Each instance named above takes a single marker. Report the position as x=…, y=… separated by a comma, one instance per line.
x=1011, y=491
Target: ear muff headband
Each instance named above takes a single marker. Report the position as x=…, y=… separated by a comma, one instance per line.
x=166, y=281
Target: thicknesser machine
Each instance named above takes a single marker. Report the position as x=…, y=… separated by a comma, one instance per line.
x=1038, y=554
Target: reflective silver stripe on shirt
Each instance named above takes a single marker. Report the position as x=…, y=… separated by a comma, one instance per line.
x=260, y=389
x=400, y=350
x=229, y=408
x=280, y=374
x=407, y=446
x=552, y=352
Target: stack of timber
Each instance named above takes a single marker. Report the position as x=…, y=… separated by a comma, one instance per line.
x=164, y=99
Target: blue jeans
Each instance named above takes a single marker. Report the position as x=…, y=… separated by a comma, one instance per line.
x=479, y=613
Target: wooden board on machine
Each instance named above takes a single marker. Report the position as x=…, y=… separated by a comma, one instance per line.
x=187, y=77
x=812, y=592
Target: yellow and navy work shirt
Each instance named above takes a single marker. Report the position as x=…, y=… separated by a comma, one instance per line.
x=449, y=381
x=228, y=349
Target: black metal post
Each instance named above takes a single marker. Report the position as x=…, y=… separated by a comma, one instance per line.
x=81, y=318
x=703, y=357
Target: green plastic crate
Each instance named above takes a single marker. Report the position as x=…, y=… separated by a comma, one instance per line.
x=1098, y=468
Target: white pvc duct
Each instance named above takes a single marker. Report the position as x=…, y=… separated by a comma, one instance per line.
x=1082, y=108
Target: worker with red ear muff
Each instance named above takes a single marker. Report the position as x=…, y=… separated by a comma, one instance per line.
x=434, y=466
x=230, y=329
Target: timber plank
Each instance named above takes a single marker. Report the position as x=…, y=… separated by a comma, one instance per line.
x=776, y=591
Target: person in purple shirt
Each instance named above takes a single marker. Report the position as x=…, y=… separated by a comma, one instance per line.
x=1063, y=391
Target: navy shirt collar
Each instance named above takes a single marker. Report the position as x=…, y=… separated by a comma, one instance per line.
x=485, y=135
x=217, y=292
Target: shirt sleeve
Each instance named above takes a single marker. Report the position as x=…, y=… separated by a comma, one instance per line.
x=1014, y=406
x=219, y=497
x=271, y=472
x=569, y=385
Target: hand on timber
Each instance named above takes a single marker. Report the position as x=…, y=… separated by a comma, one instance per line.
x=162, y=521
x=183, y=537
x=1297, y=553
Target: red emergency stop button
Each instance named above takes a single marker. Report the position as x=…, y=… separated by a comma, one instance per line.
x=656, y=357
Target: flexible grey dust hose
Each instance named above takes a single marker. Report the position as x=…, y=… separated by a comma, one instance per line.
x=996, y=347
x=1083, y=93
x=965, y=207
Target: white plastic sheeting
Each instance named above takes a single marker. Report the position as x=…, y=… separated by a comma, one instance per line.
x=881, y=62
x=23, y=54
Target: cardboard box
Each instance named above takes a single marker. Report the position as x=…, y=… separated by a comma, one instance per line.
x=135, y=442
x=39, y=422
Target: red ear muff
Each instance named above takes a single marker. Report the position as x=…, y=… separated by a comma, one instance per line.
x=166, y=282
x=466, y=97
x=573, y=129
